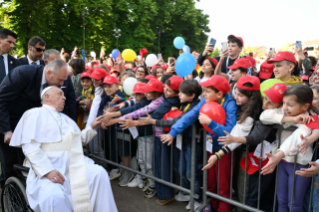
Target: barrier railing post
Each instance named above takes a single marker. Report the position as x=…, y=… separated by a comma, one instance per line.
x=275, y=195
x=193, y=168
x=259, y=177
x=313, y=180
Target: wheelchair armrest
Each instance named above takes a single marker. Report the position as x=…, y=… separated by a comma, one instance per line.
x=20, y=168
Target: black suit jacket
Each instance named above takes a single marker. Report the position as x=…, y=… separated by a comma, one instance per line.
x=12, y=63
x=25, y=61
x=20, y=91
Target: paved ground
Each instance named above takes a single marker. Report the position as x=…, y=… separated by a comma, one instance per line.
x=132, y=200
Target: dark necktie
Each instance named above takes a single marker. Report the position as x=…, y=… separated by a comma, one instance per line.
x=2, y=69
x=33, y=63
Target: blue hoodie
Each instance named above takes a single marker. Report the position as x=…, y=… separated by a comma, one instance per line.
x=188, y=119
x=106, y=99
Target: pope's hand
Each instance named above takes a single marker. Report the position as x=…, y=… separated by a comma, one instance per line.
x=55, y=176
x=97, y=122
x=7, y=137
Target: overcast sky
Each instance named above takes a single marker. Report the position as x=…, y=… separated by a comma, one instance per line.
x=262, y=22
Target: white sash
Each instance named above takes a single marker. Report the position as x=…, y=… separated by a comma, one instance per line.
x=77, y=171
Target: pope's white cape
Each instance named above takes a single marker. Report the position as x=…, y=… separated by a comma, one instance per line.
x=38, y=133
x=37, y=125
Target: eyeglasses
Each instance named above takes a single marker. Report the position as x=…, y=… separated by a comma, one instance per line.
x=140, y=71
x=39, y=49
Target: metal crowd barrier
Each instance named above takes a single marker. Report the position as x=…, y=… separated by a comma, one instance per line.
x=115, y=135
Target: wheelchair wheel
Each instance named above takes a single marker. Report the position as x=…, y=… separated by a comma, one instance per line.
x=14, y=197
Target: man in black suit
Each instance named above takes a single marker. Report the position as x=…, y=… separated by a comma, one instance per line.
x=7, y=62
x=19, y=92
x=67, y=87
x=36, y=48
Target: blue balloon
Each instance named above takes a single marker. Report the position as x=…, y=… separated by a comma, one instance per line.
x=186, y=49
x=179, y=42
x=185, y=64
x=83, y=55
x=115, y=53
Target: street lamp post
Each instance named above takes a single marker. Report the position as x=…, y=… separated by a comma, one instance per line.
x=117, y=35
x=83, y=16
x=159, y=38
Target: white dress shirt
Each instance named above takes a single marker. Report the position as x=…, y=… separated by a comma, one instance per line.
x=30, y=61
x=5, y=60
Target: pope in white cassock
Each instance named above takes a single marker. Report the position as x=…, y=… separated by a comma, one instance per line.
x=61, y=178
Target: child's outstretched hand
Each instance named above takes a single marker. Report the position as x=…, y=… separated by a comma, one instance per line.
x=271, y=165
x=305, y=142
x=225, y=140
x=312, y=171
x=116, y=99
x=148, y=120
x=127, y=123
x=167, y=138
x=303, y=119
x=97, y=122
x=204, y=119
x=211, y=161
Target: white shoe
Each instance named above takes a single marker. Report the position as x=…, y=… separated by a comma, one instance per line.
x=188, y=206
x=181, y=197
x=114, y=175
x=196, y=205
x=136, y=182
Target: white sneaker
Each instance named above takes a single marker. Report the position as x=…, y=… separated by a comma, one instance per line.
x=114, y=175
x=181, y=197
x=196, y=205
x=188, y=206
x=136, y=182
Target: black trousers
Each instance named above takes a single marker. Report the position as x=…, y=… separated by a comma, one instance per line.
x=267, y=187
x=9, y=156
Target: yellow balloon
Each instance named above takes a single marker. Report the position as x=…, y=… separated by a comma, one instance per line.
x=129, y=55
x=285, y=46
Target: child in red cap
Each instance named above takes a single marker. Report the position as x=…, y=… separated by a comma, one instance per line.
x=297, y=105
x=248, y=100
x=208, y=68
x=154, y=99
x=258, y=135
x=286, y=68
x=215, y=89
x=189, y=91
x=165, y=194
x=85, y=100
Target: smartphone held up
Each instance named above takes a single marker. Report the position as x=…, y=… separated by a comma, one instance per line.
x=212, y=43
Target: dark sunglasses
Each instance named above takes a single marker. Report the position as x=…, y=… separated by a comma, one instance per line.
x=39, y=49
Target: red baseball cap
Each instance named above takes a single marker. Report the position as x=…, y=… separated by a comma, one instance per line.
x=249, y=79
x=219, y=82
x=165, y=67
x=215, y=62
x=252, y=163
x=110, y=80
x=266, y=70
x=154, y=85
x=314, y=124
x=99, y=73
x=233, y=36
x=86, y=74
x=139, y=88
x=175, y=82
x=241, y=62
x=276, y=92
x=304, y=77
x=280, y=56
x=149, y=77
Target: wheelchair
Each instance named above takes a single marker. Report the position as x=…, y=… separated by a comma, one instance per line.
x=13, y=195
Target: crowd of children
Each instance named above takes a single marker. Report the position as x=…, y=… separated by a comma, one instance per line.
x=164, y=107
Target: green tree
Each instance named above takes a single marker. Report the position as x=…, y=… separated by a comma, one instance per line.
x=60, y=24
